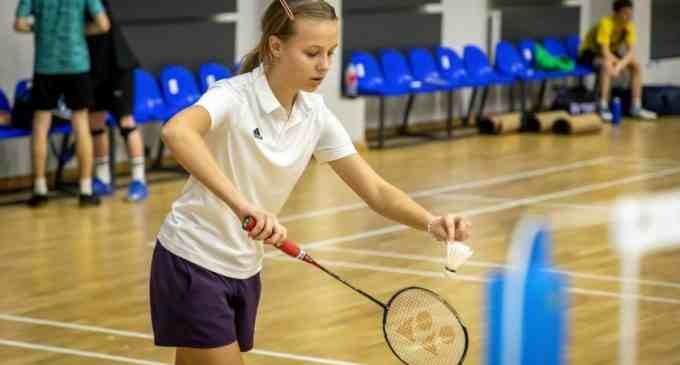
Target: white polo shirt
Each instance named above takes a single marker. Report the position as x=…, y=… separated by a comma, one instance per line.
x=264, y=154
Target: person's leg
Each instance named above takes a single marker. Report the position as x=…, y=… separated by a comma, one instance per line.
x=41, y=127
x=101, y=184
x=44, y=96
x=137, y=190
x=226, y=355
x=606, y=72
x=636, y=109
x=84, y=150
x=122, y=108
x=78, y=94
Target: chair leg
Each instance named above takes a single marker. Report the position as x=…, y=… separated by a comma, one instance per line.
x=381, y=121
x=407, y=114
x=541, y=96
x=112, y=155
x=511, y=88
x=471, y=106
x=523, y=104
x=482, y=105
x=159, y=155
x=449, y=114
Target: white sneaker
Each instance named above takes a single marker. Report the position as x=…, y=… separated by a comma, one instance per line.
x=606, y=115
x=645, y=114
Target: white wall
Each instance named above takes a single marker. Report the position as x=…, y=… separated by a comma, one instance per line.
x=16, y=62
x=349, y=111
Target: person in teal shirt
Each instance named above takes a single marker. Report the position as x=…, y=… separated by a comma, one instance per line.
x=62, y=66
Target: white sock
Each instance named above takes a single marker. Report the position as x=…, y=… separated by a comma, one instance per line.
x=137, y=165
x=604, y=105
x=102, y=170
x=637, y=104
x=40, y=186
x=86, y=186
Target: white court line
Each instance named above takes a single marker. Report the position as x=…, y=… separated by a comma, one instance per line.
x=494, y=208
x=109, y=331
x=421, y=258
x=95, y=355
x=467, y=185
x=477, y=279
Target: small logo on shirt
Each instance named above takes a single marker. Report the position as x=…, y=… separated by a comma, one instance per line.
x=257, y=134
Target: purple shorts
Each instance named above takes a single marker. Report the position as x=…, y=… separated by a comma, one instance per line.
x=194, y=307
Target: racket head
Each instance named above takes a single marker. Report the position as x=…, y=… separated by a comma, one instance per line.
x=421, y=328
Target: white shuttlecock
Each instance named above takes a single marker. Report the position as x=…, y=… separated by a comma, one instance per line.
x=456, y=255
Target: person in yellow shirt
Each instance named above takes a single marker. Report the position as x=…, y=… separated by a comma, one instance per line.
x=609, y=48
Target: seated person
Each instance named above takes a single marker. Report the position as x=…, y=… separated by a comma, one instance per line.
x=609, y=48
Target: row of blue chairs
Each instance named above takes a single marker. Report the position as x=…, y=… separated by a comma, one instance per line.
x=443, y=70
x=155, y=100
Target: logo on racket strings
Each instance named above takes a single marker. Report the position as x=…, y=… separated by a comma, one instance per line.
x=421, y=331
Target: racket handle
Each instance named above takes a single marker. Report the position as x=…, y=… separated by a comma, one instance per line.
x=287, y=247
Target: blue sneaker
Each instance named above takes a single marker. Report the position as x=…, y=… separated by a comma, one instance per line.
x=100, y=188
x=137, y=191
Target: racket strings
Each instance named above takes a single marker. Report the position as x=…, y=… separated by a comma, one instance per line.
x=422, y=329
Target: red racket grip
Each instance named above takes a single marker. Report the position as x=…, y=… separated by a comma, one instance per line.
x=287, y=247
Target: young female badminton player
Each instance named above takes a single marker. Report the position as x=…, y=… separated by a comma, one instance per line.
x=246, y=142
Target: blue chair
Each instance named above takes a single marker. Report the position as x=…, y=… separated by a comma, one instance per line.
x=451, y=67
x=64, y=152
x=555, y=46
x=397, y=72
x=370, y=77
x=424, y=68
x=480, y=71
x=209, y=73
x=509, y=62
x=148, y=102
x=179, y=88
x=371, y=82
x=527, y=52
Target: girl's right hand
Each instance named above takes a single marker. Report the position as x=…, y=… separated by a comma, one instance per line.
x=267, y=228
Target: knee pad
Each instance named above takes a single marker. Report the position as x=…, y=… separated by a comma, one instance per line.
x=97, y=132
x=125, y=132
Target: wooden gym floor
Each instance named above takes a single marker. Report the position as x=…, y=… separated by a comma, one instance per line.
x=74, y=282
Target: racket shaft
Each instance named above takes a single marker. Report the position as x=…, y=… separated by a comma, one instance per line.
x=338, y=278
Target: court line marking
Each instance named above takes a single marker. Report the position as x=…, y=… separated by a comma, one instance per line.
x=130, y=334
x=532, y=200
x=466, y=185
x=486, y=264
x=478, y=279
x=94, y=355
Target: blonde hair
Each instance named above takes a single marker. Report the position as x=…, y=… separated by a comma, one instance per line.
x=279, y=21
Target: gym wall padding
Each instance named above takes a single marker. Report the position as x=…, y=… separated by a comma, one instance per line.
x=538, y=22
x=178, y=32
x=665, y=35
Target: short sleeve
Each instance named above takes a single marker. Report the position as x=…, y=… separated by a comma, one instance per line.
x=631, y=35
x=24, y=8
x=220, y=101
x=604, y=32
x=94, y=7
x=334, y=142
